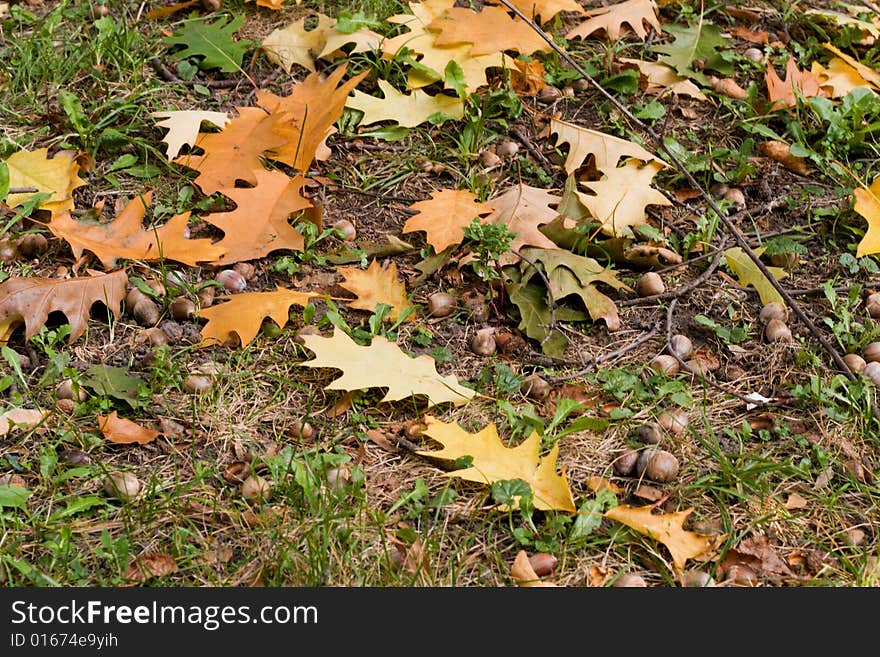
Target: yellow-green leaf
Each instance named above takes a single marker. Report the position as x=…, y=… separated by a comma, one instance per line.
x=748, y=273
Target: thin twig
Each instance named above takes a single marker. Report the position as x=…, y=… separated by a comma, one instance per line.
x=168, y=75
x=738, y=236
x=642, y=339
x=22, y=190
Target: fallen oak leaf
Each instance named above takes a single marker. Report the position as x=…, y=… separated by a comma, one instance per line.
x=867, y=73
x=797, y=83
x=58, y=176
x=611, y=19
x=382, y=364
x=183, y=127
x=407, y=110
x=244, y=313
x=840, y=78
x=149, y=565
x=781, y=152
x=524, y=574
x=749, y=274
x=491, y=30
x=867, y=204
x=122, y=432
x=523, y=209
x=32, y=299
x=23, y=418
x=444, y=216
x=545, y=9
x=293, y=44
x=607, y=150
x=661, y=78
x=668, y=529
x=376, y=285
x=492, y=461
x=125, y=237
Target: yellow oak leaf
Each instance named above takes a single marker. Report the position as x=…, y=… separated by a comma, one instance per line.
x=244, y=313
x=123, y=432
x=611, y=19
x=407, y=110
x=364, y=40
x=748, y=273
x=58, y=176
x=32, y=299
x=376, y=285
x=444, y=216
x=619, y=199
x=183, y=127
x=668, y=529
x=868, y=28
x=839, y=78
x=294, y=44
x=797, y=83
x=126, y=238
x=260, y=223
x=383, y=364
x=492, y=30
x=607, y=150
x=309, y=112
x=492, y=461
x=545, y=9
x=866, y=72
x=867, y=204
x=433, y=59
x=234, y=153
x=523, y=209
x=661, y=78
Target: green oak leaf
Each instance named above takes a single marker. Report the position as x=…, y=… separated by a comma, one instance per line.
x=213, y=43
x=113, y=382
x=697, y=42
x=748, y=273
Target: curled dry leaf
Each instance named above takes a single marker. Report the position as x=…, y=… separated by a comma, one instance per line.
x=149, y=565
x=523, y=573
x=122, y=432
x=781, y=152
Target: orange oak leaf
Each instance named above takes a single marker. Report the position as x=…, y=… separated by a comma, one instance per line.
x=545, y=9
x=244, y=313
x=269, y=4
x=260, y=222
x=784, y=94
x=611, y=19
x=376, y=285
x=125, y=237
x=523, y=209
x=32, y=299
x=123, y=432
x=234, y=153
x=310, y=111
x=293, y=44
x=528, y=78
x=490, y=31
x=444, y=216
x=668, y=529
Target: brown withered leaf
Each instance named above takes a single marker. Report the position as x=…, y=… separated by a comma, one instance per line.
x=781, y=152
x=444, y=216
x=376, y=285
x=149, y=565
x=523, y=209
x=123, y=432
x=784, y=93
x=31, y=300
x=523, y=574
x=125, y=237
x=260, y=223
x=491, y=30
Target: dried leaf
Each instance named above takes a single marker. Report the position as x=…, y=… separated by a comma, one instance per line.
x=244, y=313
x=607, y=150
x=866, y=72
x=797, y=83
x=407, y=110
x=523, y=209
x=667, y=528
x=781, y=152
x=748, y=273
x=57, y=176
x=269, y=4
x=492, y=461
x=364, y=40
x=545, y=9
x=31, y=300
x=376, y=285
x=611, y=19
x=122, y=432
x=621, y=196
x=528, y=78
x=444, y=216
x=260, y=223
x=293, y=44
x=490, y=31
x=839, y=78
x=126, y=238
x=149, y=565
x=523, y=574
x=382, y=364
x=25, y=418
x=183, y=127
x=867, y=204
x=662, y=78
x=728, y=87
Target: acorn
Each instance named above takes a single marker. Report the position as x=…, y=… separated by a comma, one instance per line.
x=236, y=472
x=773, y=310
x=476, y=305
x=344, y=226
x=67, y=389
x=302, y=429
x=246, y=269
x=441, y=304
x=666, y=364
x=483, y=343
x=543, y=563
x=549, y=93
x=32, y=245
x=649, y=434
x=625, y=462
x=99, y=11
x=784, y=260
x=154, y=336
x=735, y=196
x=871, y=352
x=489, y=159
x=718, y=190
x=8, y=251
x=872, y=304
x=13, y=480
x=855, y=363
x=197, y=384
x=630, y=581
x=777, y=331
x=696, y=579
x=675, y=422
x=507, y=148
x=338, y=477
x=657, y=465
x=255, y=488
x=145, y=312
x=649, y=284
x=205, y=296
x=231, y=280
x=535, y=387
x=182, y=308
x=133, y=296
x=121, y=485
x=753, y=55
x=211, y=5
x=872, y=371
x=681, y=346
